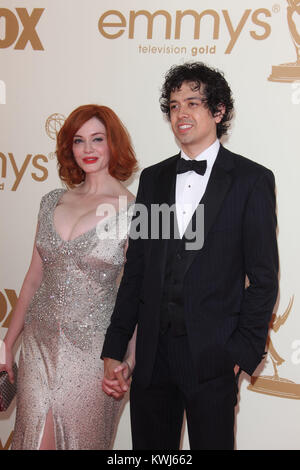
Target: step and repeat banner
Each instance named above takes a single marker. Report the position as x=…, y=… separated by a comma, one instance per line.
x=59, y=54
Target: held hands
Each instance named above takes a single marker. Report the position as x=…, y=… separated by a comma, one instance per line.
x=116, y=379
x=6, y=361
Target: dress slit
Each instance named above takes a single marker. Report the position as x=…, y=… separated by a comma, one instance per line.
x=48, y=423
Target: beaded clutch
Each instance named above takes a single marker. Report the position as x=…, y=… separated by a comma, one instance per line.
x=7, y=389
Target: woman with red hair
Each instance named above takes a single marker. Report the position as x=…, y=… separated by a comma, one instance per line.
x=69, y=292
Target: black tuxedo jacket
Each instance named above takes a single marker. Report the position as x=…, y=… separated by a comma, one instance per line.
x=226, y=323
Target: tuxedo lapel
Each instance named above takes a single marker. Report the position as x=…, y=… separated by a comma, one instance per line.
x=164, y=194
x=166, y=183
x=218, y=185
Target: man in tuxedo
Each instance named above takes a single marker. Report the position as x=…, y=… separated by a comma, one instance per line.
x=198, y=325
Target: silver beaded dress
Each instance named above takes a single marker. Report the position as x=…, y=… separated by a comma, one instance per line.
x=60, y=367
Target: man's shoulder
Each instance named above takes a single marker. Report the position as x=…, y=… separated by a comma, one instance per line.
x=152, y=170
x=246, y=165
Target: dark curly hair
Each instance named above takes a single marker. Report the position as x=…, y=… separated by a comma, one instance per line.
x=210, y=81
x=122, y=162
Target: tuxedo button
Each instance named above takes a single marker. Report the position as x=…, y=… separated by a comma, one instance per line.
x=178, y=256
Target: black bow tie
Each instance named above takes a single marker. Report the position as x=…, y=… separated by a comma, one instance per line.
x=191, y=165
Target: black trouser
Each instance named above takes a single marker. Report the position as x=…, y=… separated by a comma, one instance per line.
x=157, y=411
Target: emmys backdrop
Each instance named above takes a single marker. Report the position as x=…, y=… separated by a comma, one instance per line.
x=55, y=56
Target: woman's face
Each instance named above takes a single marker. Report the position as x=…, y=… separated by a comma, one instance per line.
x=90, y=148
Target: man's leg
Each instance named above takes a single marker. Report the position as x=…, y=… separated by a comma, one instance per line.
x=156, y=417
x=210, y=414
x=209, y=405
x=157, y=411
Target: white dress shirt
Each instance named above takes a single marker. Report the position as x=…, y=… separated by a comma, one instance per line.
x=190, y=187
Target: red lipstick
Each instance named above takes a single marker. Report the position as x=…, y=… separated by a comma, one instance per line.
x=89, y=160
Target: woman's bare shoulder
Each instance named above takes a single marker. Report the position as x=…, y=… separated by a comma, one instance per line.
x=126, y=193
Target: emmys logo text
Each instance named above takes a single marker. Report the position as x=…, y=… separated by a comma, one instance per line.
x=113, y=24
x=8, y=300
x=2, y=92
x=9, y=166
x=11, y=24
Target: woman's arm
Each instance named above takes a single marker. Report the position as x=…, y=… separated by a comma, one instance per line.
x=31, y=283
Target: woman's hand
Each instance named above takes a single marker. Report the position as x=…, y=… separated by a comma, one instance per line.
x=118, y=385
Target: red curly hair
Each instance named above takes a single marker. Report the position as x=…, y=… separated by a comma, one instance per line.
x=122, y=162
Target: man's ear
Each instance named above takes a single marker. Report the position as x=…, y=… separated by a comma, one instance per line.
x=220, y=113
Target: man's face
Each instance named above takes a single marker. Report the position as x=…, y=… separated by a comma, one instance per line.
x=192, y=123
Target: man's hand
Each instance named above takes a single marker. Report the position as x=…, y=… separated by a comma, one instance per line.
x=116, y=378
x=236, y=369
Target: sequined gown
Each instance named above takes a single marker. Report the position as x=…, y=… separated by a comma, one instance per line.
x=60, y=366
